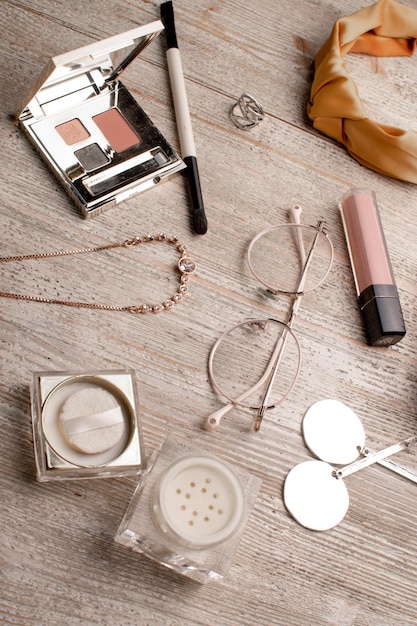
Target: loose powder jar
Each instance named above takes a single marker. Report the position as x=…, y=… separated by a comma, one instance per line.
x=189, y=511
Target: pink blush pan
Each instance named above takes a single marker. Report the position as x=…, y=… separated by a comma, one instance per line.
x=116, y=130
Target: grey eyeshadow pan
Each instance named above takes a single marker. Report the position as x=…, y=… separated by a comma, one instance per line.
x=91, y=157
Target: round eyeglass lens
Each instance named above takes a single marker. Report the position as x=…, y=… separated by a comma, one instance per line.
x=290, y=258
x=255, y=363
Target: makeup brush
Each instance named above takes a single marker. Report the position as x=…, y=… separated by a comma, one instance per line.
x=183, y=118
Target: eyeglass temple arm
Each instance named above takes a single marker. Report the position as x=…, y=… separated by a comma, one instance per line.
x=213, y=420
x=295, y=214
x=291, y=315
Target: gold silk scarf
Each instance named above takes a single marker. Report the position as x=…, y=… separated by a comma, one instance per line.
x=386, y=28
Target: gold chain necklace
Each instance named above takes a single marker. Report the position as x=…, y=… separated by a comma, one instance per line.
x=186, y=266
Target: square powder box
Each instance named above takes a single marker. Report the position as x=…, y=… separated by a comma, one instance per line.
x=86, y=425
x=189, y=511
x=90, y=130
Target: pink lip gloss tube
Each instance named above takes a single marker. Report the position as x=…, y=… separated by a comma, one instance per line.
x=374, y=279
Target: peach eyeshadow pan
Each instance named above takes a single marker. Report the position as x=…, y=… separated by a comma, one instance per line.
x=72, y=131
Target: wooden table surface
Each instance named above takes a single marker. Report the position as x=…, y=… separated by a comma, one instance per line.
x=59, y=563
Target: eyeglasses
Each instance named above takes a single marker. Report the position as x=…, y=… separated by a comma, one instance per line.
x=255, y=364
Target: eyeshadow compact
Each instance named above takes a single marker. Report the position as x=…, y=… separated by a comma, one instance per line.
x=89, y=128
x=86, y=424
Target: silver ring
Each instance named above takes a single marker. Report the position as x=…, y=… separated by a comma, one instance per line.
x=246, y=112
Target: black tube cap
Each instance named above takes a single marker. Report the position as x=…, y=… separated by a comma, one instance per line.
x=382, y=315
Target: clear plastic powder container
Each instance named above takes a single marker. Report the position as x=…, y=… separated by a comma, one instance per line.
x=189, y=511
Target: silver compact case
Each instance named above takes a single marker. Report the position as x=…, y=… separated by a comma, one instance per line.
x=90, y=130
x=86, y=425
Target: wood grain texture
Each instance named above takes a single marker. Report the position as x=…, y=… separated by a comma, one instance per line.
x=58, y=561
